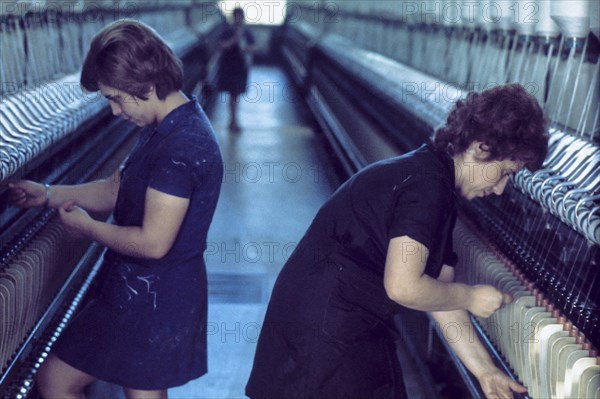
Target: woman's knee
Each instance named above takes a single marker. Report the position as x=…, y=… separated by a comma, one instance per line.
x=57, y=379
x=141, y=394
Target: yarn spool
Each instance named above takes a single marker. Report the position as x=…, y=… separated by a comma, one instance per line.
x=506, y=14
x=595, y=18
x=431, y=12
x=451, y=13
x=546, y=27
x=572, y=16
x=526, y=16
x=470, y=11
x=488, y=15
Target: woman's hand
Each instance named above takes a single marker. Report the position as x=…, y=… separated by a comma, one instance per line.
x=75, y=220
x=486, y=299
x=497, y=385
x=26, y=194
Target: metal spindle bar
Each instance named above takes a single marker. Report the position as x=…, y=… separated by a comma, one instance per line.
x=471, y=51
x=565, y=81
x=486, y=59
x=554, y=70
x=524, y=61
x=21, y=60
x=596, y=122
x=18, y=61
x=4, y=79
x=582, y=124
x=576, y=84
x=513, y=43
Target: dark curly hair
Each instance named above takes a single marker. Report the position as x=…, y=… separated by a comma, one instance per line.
x=507, y=119
x=130, y=56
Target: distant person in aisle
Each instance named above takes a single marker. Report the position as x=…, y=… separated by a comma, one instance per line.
x=237, y=49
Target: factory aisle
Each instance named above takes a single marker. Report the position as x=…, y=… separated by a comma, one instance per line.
x=276, y=177
x=272, y=188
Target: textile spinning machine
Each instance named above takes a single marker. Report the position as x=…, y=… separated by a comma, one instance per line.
x=51, y=131
x=380, y=81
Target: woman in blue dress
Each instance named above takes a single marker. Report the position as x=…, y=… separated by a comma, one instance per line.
x=146, y=328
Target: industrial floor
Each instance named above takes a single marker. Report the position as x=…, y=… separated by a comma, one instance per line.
x=272, y=189
x=277, y=175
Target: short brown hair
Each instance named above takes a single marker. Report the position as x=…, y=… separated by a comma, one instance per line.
x=505, y=118
x=130, y=56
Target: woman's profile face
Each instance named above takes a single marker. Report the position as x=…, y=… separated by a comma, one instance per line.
x=478, y=177
x=128, y=106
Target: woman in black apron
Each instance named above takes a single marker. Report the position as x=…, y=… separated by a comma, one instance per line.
x=383, y=241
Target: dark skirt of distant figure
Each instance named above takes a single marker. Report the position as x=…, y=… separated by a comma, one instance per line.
x=235, y=63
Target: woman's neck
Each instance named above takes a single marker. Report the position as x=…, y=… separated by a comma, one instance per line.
x=172, y=101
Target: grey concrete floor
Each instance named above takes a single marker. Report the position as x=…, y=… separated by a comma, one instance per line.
x=272, y=189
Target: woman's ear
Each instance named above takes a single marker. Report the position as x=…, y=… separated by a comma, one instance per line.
x=474, y=148
x=484, y=147
x=151, y=92
x=479, y=150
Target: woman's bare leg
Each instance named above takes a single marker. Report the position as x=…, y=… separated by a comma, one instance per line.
x=233, y=102
x=58, y=380
x=139, y=394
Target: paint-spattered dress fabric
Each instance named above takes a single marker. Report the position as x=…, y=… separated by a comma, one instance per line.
x=329, y=328
x=146, y=327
